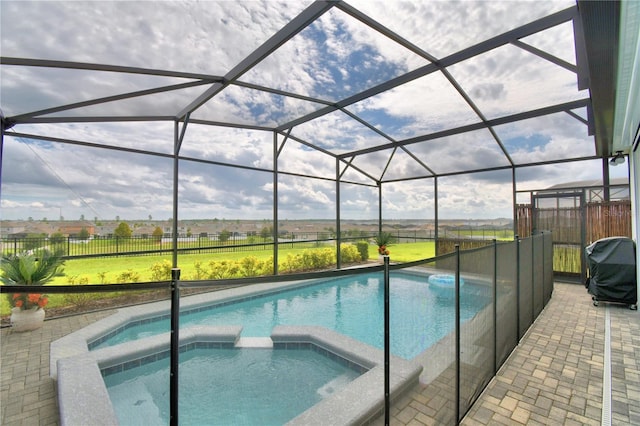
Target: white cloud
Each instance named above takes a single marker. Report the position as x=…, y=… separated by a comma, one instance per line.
x=334, y=58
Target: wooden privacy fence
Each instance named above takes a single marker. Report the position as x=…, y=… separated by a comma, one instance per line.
x=610, y=219
x=524, y=220
x=448, y=245
x=569, y=224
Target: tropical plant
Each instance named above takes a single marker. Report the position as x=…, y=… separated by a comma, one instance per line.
x=383, y=240
x=36, y=268
x=30, y=269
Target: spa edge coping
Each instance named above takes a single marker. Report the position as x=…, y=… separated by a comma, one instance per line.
x=83, y=397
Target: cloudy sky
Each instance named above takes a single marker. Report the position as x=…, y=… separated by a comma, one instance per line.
x=333, y=59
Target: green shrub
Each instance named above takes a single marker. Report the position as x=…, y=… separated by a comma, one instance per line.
x=250, y=266
x=312, y=259
x=289, y=264
x=201, y=272
x=161, y=271
x=78, y=299
x=222, y=269
x=128, y=276
x=349, y=253
x=309, y=260
x=267, y=266
x=363, y=249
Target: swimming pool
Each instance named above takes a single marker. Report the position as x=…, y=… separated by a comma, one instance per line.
x=352, y=305
x=224, y=386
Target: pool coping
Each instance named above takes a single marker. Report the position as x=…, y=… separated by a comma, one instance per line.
x=83, y=397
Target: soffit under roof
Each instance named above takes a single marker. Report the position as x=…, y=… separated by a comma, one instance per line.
x=435, y=88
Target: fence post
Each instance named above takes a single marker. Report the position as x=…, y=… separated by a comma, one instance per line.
x=533, y=281
x=175, y=347
x=517, y=242
x=387, y=366
x=457, y=325
x=495, y=306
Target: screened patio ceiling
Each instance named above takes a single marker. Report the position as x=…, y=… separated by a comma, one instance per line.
x=364, y=92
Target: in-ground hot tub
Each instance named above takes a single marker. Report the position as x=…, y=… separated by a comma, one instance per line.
x=354, y=396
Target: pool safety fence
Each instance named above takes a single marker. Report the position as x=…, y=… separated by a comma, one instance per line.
x=499, y=291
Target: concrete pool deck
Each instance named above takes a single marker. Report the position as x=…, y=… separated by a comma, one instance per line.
x=555, y=376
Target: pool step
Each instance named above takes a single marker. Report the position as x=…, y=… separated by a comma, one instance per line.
x=254, y=342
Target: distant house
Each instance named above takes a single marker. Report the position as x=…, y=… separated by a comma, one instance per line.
x=74, y=229
x=11, y=229
x=593, y=189
x=144, y=231
x=24, y=229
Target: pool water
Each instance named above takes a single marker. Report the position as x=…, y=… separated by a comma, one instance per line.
x=228, y=387
x=352, y=305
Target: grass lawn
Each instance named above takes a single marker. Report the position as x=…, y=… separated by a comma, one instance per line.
x=106, y=269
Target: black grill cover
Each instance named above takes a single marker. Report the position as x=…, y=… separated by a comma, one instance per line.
x=612, y=267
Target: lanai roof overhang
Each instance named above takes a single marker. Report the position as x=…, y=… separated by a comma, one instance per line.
x=386, y=98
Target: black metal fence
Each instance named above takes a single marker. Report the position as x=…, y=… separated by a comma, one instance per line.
x=220, y=242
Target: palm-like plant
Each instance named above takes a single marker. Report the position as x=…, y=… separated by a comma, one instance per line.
x=31, y=269
x=382, y=240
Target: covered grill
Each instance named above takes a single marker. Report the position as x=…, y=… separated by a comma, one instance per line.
x=612, y=271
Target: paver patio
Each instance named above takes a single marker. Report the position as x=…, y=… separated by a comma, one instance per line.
x=555, y=376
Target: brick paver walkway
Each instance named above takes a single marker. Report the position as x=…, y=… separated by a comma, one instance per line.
x=28, y=395
x=555, y=375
